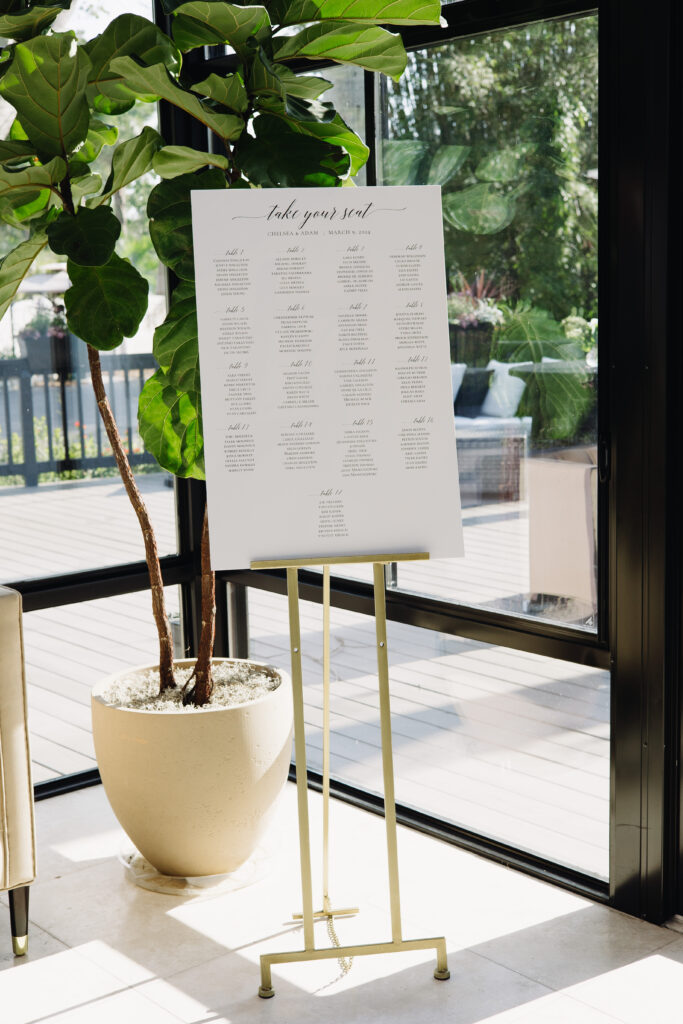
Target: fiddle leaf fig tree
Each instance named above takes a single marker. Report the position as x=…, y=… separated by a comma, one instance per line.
x=263, y=124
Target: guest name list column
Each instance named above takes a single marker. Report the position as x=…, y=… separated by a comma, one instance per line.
x=324, y=359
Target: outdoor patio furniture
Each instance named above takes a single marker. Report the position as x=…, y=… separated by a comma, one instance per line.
x=492, y=441
x=17, y=836
x=492, y=455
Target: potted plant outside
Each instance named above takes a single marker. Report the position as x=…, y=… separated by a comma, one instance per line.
x=473, y=314
x=265, y=126
x=44, y=340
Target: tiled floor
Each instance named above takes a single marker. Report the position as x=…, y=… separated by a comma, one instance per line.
x=103, y=951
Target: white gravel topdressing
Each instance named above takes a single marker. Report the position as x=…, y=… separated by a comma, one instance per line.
x=235, y=683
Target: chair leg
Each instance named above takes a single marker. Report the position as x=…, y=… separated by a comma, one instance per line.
x=18, y=912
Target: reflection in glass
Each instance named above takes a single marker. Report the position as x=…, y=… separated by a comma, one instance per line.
x=507, y=744
x=348, y=96
x=506, y=124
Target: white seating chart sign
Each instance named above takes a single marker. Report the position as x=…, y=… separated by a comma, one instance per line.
x=325, y=373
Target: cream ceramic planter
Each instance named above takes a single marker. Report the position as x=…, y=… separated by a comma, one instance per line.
x=194, y=790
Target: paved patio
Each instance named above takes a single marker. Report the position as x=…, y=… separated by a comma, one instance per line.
x=506, y=743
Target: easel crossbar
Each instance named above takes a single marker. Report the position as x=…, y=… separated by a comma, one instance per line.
x=441, y=973
x=301, y=563
x=365, y=949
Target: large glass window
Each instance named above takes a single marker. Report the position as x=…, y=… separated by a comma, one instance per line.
x=349, y=100
x=58, y=480
x=507, y=744
x=63, y=508
x=67, y=651
x=506, y=124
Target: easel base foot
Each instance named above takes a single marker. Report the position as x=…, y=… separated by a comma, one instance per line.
x=336, y=952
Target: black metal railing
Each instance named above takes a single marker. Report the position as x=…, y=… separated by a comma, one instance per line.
x=49, y=422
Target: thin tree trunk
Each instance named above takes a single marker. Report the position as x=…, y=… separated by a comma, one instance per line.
x=166, y=677
x=203, y=682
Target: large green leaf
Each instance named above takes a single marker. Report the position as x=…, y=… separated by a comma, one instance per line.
x=17, y=213
x=371, y=12
x=25, y=25
x=401, y=160
x=88, y=238
x=557, y=396
x=85, y=185
x=170, y=218
x=479, y=210
x=504, y=164
x=337, y=133
x=99, y=135
x=128, y=34
x=372, y=48
x=46, y=84
x=171, y=161
x=293, y=109
x=105, y=304
x=77, y=168
x=171, y=427
x=176, y=346
x=130, y=161
x=21, y=186
x=263, y=77
x=308, y=87
x=16, y=151
x=157, y=81
x=280, y=157
x=529, y=333
x=16, y=265
x=446, y=163
x=202, y=23
x=227, y=91
x=281, y=92
x=23, y=202
x=299, y=109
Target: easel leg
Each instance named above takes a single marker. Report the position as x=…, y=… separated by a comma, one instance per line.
x=326, y=739
x=387, y=754
x=327, y=911
x=266, y=988
x=300, y=754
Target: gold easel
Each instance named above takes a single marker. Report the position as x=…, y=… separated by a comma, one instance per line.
x=397, y=944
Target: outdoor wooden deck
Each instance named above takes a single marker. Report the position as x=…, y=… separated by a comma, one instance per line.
x=503, y=742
